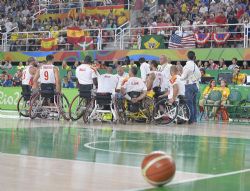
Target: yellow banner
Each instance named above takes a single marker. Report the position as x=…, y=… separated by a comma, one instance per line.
x=89, y=11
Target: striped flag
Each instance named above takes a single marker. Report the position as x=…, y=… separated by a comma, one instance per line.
x=75, y=35
x=48, y=44
x=177, y=41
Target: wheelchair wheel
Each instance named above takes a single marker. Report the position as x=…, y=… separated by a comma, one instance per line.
x=64, y=107
x=90, y=104
x=23, y=106
x=148, y=106
x=165, y=113
x=76, y=108
x=183, y=114
x=120, y=109
x=35, y=106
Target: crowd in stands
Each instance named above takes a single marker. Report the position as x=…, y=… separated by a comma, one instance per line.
x=197, y=12
x=17, y=17
x=191, y=14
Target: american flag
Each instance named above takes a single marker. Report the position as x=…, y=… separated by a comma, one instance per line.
x=177, y=41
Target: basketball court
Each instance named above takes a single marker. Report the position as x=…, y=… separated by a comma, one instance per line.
x=58, y=155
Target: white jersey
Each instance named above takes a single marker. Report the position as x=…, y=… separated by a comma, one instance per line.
x=145, y=70
x=26, y=76
x=85, y=74
x=107, y=83
x=158, y=79
x=47, y=75
x=135, y=84
x=181, y=86
x=121, y=79
x=165, y=70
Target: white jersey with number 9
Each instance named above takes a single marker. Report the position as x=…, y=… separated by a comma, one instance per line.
x=47, y=75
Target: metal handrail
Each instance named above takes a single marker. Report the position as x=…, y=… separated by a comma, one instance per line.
x=77, y=5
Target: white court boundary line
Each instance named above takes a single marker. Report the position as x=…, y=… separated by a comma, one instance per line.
x=208, y=177
x=88, y=145
x=9, y=116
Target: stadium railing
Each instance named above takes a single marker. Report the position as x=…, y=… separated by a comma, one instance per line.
x=64, y=7
x=126, y=37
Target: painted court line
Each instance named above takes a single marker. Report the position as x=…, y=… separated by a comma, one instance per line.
x=88, y=145
x=9, y=116
x=88, y=162
x=206, y=177
x=211, y=176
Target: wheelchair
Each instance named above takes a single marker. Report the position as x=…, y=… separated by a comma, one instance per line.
x=80, y=102
x=104, y=109
x=48, y=104
x=138, y=112
x=23, y=103
x=166, y=113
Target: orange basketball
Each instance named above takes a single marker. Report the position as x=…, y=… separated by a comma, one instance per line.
x=158, y=168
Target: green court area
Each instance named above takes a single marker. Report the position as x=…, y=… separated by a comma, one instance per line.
x=225, y=161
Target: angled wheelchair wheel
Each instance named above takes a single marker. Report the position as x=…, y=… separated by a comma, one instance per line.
x=148, y=106
x=64, y=106
x=76, y=108
x=120, y=109
x=164, y=113
x=35, y=106
x=23, y=106
x=183, y=115
x=90, y=104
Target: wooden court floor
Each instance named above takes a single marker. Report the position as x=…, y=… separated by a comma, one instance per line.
x=51, y=155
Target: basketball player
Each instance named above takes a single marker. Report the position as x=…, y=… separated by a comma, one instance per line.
x=134, y=84
x=49, y=76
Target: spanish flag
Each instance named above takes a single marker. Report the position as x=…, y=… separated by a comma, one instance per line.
x=75, y=35
x=48, y=44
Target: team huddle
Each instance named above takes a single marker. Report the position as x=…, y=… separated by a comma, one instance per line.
x=157, y=82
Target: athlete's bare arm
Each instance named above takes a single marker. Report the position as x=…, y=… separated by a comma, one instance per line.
x=35, y=80
x=141, y=97
x=150, y=81
x=57, y=78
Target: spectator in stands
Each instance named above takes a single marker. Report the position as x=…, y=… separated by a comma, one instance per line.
x=68, y=69
x=224, y=90
x=6, y=65
x=17, y=78
x=67, y=83
x=203, y=73
x=222, y=64
x=233, y=65
x=245, y=66
x=207, y=66
x=20, y=66
x=207, y=90
x=225, y=93
x=238, y=78
x=6, y=79
x=199, y=64
x=212, y=65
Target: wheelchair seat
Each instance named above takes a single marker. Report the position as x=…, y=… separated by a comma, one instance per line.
x=85, y=91
x=103, y=98
x=157, y=91
x=47, y=90
x=182, y=99
x=26, y=92
x=134, y=107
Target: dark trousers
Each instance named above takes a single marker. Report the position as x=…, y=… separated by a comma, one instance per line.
x=191, y=92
